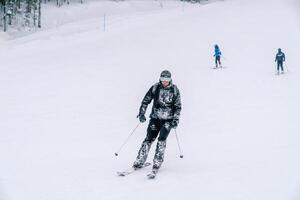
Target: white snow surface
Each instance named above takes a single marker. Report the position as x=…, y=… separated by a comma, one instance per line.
x=69, y=95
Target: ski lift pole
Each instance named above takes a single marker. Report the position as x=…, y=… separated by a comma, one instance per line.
x=104, y=22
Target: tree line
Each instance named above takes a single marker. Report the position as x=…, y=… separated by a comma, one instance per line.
x=27, y=13
x=24, y=13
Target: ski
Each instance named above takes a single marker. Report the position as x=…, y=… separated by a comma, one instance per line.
x=152, y=175
x=221, y=67
x=131, y=170
x=278, y=74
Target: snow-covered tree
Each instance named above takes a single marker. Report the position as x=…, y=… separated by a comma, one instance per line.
x=20, y=13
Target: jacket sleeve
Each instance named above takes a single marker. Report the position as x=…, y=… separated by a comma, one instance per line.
x=283, y=57
x=276, y=57
x=177, y=105
x=146, y=101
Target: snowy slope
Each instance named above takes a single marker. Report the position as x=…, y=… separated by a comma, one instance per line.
x=69, y=97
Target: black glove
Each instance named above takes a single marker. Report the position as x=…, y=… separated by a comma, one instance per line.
x=174, y=123
x=141, y=117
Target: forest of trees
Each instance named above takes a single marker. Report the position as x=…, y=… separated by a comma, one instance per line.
x=24, y=13
x=21, y=14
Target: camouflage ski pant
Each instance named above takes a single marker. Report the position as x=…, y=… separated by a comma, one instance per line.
x=155, y=128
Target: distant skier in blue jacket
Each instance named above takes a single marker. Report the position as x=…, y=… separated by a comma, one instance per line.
x=280, y=58
x=217, y=56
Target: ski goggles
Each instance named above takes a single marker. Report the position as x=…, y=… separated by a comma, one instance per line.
x=165, y=79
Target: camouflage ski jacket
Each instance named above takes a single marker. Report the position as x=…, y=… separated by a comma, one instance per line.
x=166, y=104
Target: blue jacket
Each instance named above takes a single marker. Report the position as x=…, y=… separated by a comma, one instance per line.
x=280, y=57
x=217, y=52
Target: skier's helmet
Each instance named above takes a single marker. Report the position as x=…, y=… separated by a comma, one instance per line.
x=279, y=50
x=216, y=46
x=165, y=76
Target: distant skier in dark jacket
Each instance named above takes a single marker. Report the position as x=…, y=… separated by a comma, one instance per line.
x=280, y=58
x=217, y=56
x=164, y=116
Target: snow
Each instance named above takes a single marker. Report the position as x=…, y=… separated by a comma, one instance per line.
x=69, y=95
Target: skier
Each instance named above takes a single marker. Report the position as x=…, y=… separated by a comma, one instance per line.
x=164, y=116
x=280, y=58
x=217, y=56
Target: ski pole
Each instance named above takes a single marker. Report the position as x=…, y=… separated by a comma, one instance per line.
x=287, y=69
x=127, y=139
x=181, y=155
